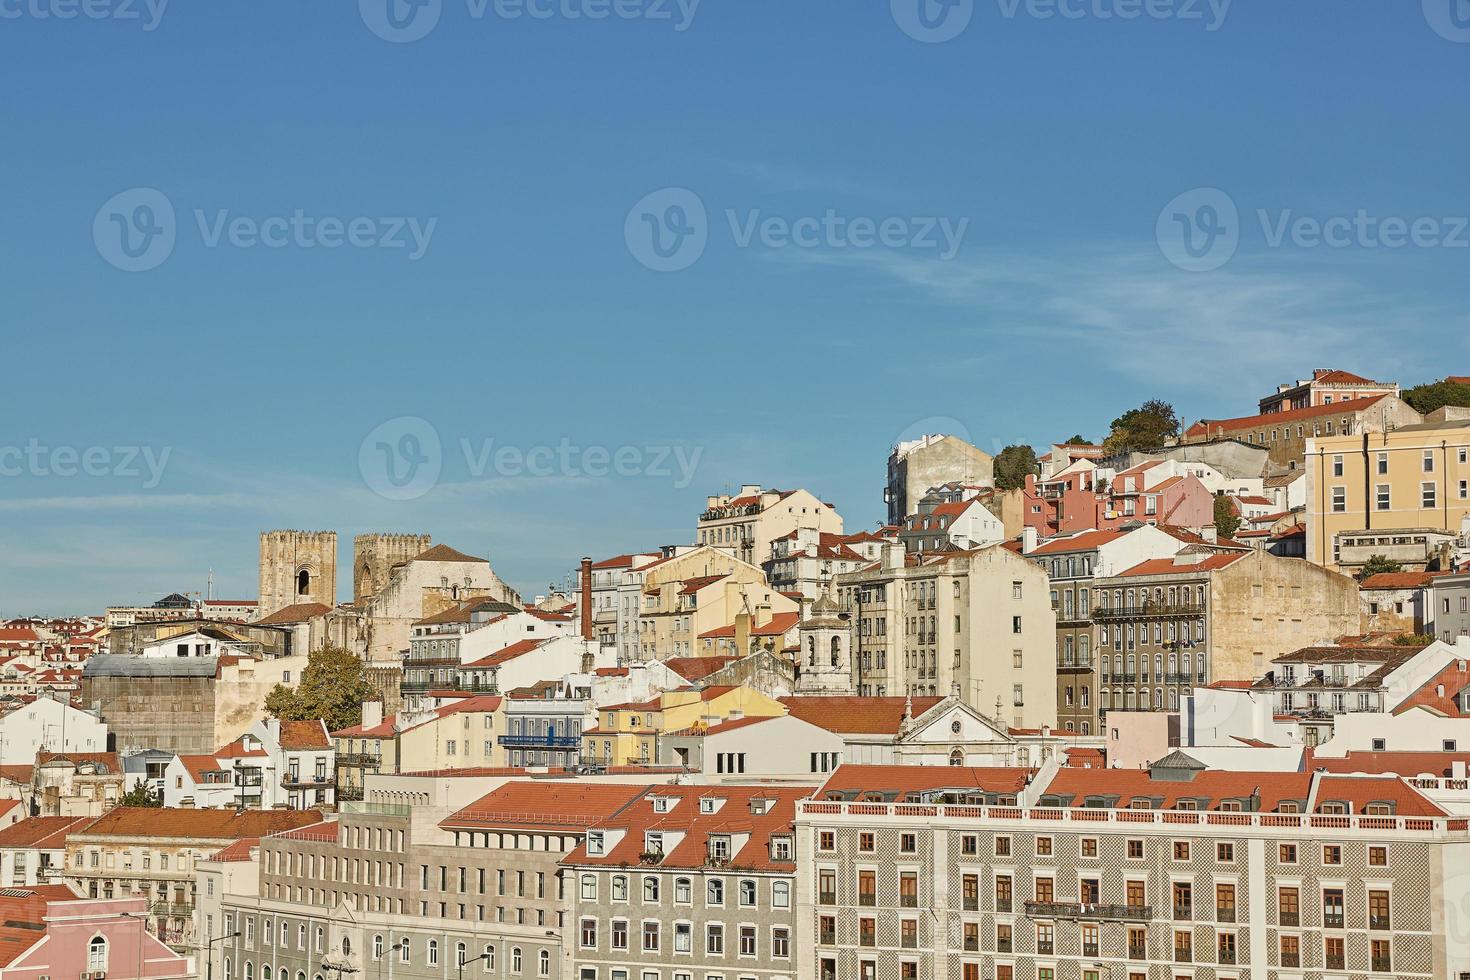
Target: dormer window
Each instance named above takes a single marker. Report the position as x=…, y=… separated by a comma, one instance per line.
x=781, y=849
x=661, y=804
x=719, y=848
x=653, y=842
x=709, y=804
x=596, y=843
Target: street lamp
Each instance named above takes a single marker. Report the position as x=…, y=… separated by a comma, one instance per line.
x=142, y=937
x=465, y=963
x=389, y=954
x=209, y=954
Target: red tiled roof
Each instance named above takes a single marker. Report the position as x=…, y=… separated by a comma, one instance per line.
x=903, y=782
x=304, y=735
x=237, y=851
x=698, y=668
x=1397, y=580
x=1167, y=566
x=298, y=613
x=1405, y=764
x=507, y=654
x=23, y=917
x=442, y=552
x=127, y=821
x=42, y=833
x=1211, y=787
x=1359, y=792
x=524, y=804
x=1084, y=541
x=856, y=715
x=1441, y=692
x=1207, y=426
x=778, y=625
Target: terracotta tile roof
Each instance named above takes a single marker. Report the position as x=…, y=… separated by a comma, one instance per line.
x=1207, y=426
x=1084, y=541
x=856, y=715
x=18, y=634
x=199, y=766
x=42, y=833
x=525, y=804
x=16, y=773
x=1342, y=378
x=617, y=561
x=778, y=625
x=1118, y=788
x=237, y=851
x=734, y=816
x=222, y=825
x=1440, y=693
x=698, y=668
x=693, y=585
x=728, y=725
x=23, y=917
x=1190, y=537
x=384, y=729
x=298, y=613
x=442, y=552
x=506, y=654
x=1406, y=764
x=1359, y=792
x=304, y=735
x=1168, y=566
x=109, y=762
x=1397, y=580
x=902, y=783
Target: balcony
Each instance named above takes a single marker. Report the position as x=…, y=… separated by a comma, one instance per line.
x=1045, y=947
x=1291, y=919
x=1382, y=964
x=1003, y=944
x=1224, y=914
x=1332, y=920
x=1183, y=913
x=1336, y=961
x=294, y=781
x=1087, y=913
x=1227, y=957
x=172, y=909
x=1137, y=952
x=1089, y=949
x=1001, y=905
x=365, y=760
x=1378, y=922
x=1147, y=610
x=1292, y=960
x=541, y=741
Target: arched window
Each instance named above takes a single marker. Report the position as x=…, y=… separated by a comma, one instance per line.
x=303, y=582
x=488, y=963
x=377, y=947
x=433, y=952
x=265, y=971
x=543, y=964
x=249, y=973
x=346, y=946
x=836, y=651
x=97, y=955
x=515, y=959
x=461, y=953
x=957, y=757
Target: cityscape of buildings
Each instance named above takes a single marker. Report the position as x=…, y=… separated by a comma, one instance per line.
x=1186, y=702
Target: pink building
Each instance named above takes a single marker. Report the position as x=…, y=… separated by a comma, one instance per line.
x=47, y=931
x=1151, y=493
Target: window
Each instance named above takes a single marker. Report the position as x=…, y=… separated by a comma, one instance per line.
x=1135, y=850
x=589, y=888
x=650, y=889
x=747, y=940
x=1002, y=847
x=747, y=893
x=683, y=937
x=1378, y=857
x=714, y=939
x=1336, y=464
x=433, y=954
x=1383, y=497
x=1339, y=500
x=618, y=934
x=1428, y=498
x=1225, y=852
x=650, y=937
x=781, y=943
x=1429, y=461
x=97, y=955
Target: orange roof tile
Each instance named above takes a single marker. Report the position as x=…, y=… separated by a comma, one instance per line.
x=856, y=715
x=127, y=821
x=909, y=782
x=544, y=804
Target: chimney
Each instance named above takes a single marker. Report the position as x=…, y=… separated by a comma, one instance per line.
x=586, y=602
x=1209, y=533
x=892, y=555
x=1028, y=540
x=372, y=713
x=742, y=633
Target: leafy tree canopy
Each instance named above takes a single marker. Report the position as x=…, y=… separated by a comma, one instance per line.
x=1378, y=565
x=333, y=687
x=1013, y=465
x=1077, y=441
x=142, y=794
x=1149, y=426
x=1427, y=397
x=1227, y=521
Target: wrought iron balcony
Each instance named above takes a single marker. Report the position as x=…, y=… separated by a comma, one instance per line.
x=541, y=741
x=1147, y=610
x=370, y=760
x=306, y=780
x=1087, y=912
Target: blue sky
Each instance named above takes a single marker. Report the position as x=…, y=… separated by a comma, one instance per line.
x=519, y=148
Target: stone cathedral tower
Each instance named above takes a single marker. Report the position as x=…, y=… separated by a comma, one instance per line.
x=295, y=567
x=374, y=554
x=824, y=665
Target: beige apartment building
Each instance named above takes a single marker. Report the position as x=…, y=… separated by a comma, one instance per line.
x=746, y=523
x=691, y=594
x=463, y=734
x=1168, y=625
x=1105, y=874
x=978, y=624
x=1402, y=493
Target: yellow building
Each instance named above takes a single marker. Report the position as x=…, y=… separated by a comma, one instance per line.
x=463, y=734
x=749, y=521
x=627, y=734
x=1403, y=494
x=694, y=593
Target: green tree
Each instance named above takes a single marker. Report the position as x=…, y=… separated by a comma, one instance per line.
x=1227, y=521
x=1413, y=640
x=1077, y=441
x=1378, y=565
x=141, y=795
x=1013, y=465
x=1426, y=398
x=333, y=687
x=1149, y=426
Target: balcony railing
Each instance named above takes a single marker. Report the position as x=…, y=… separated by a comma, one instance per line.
x=368, y=760
x=1382, y=964
x=1094, y=913
x=1336, y=961
x=541, y=741
x=307, y=781
x=1292, y=960
x=1225, y=914
x=1137, y=953
x=1289, y=919
x=1378, y=922
x=1104, y=613
x=1332, y=920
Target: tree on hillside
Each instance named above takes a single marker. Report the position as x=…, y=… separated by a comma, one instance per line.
x=1013, y=465
x=1378, y=565
x=1227, y=521
x=1077, y=441
x=333, y=687
x=1146, y=427
x=1427, y=397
